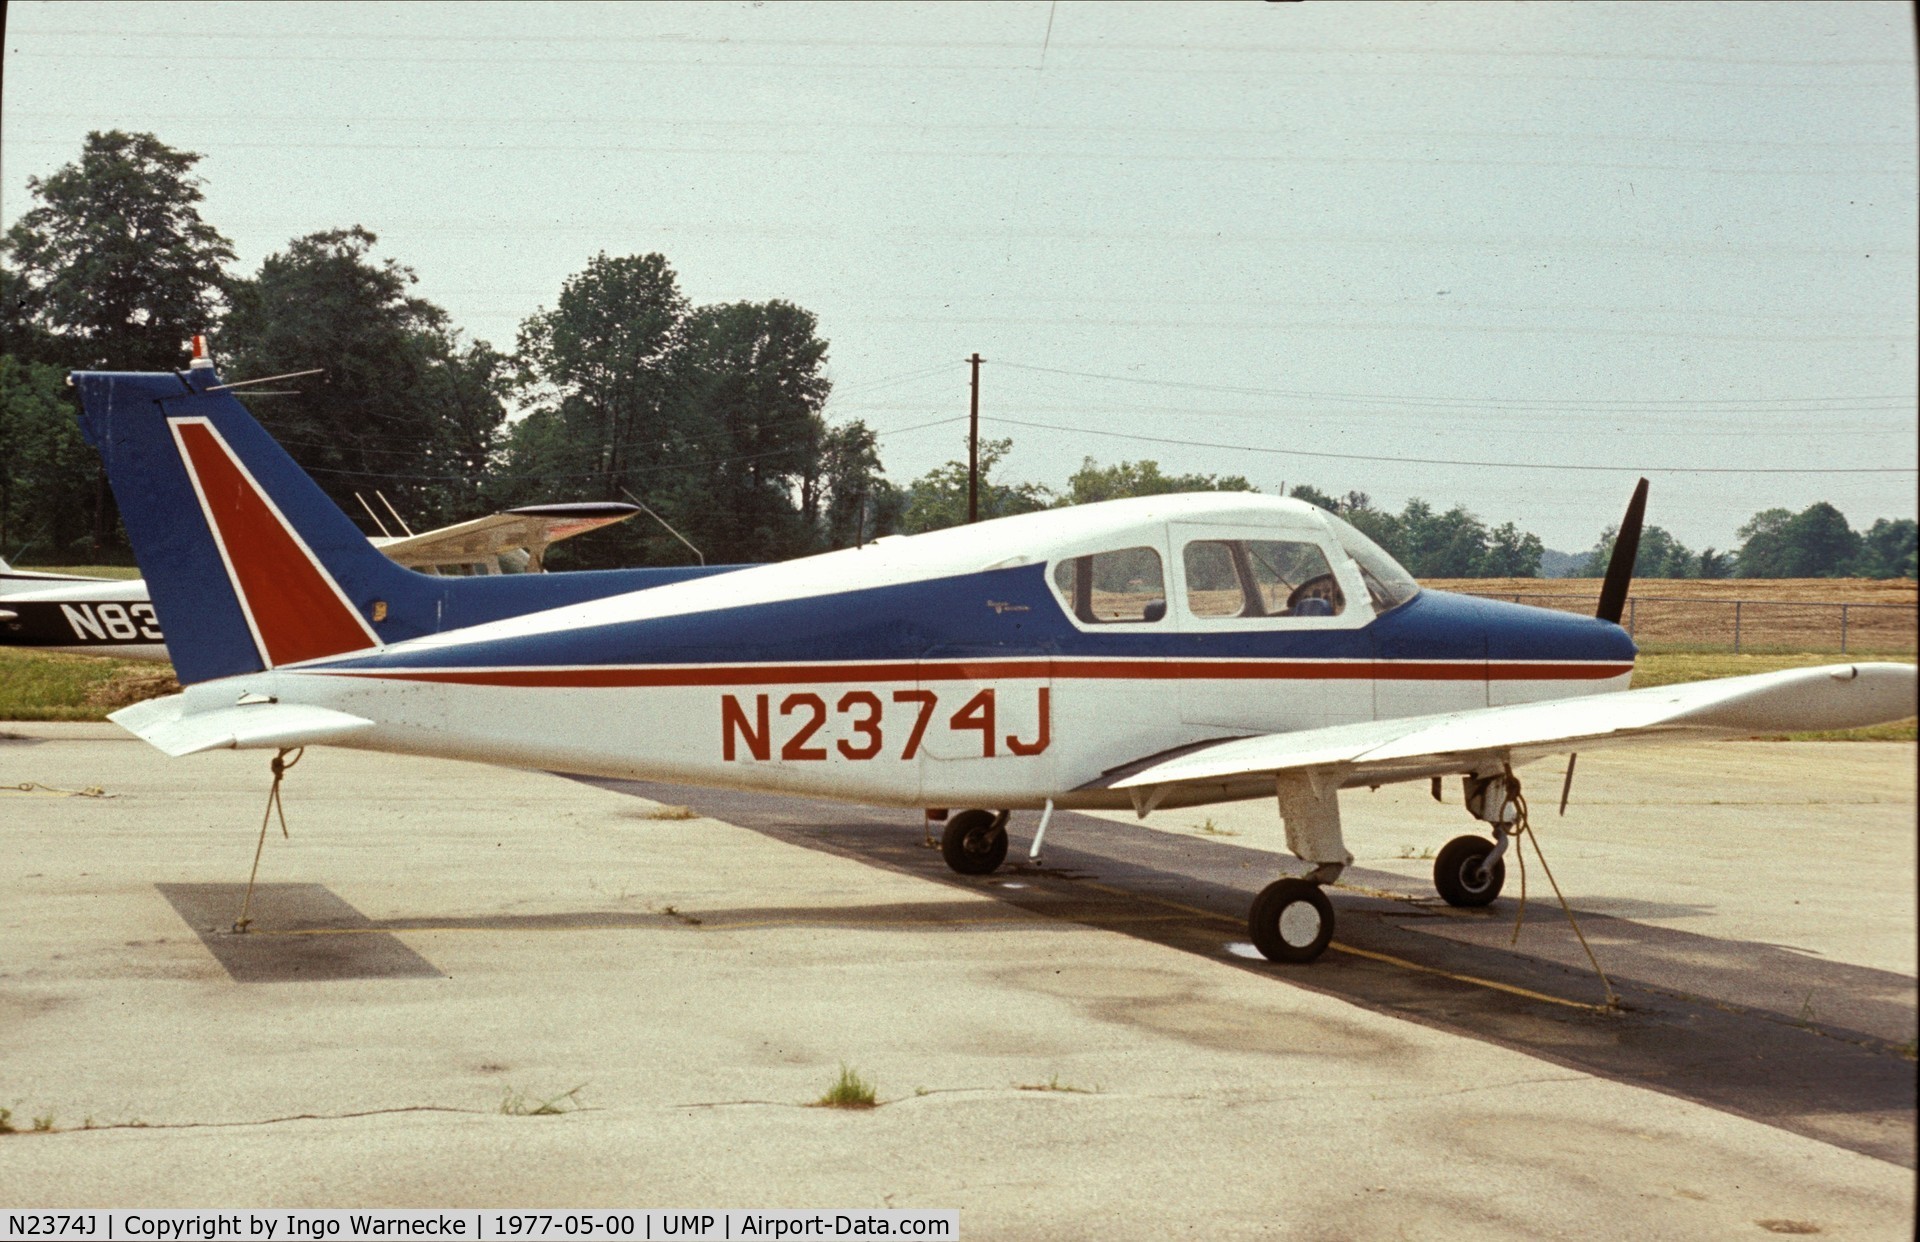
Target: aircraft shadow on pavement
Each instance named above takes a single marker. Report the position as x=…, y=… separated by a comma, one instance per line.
x=1702, y=1020
x=300, y=933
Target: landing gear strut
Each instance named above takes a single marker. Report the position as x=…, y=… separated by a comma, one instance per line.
x=975, y=842
x=1291, y=919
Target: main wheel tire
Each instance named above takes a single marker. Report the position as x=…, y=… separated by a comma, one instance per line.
x=1291, y=921
x=975, y=842
x=1461, y=876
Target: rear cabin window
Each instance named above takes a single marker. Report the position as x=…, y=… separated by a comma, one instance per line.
x=1260, y=578
x=1107, y=588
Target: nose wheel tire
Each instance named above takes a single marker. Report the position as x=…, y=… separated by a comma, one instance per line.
x=1291, y=921
x=1461, y=875
x=975, y=842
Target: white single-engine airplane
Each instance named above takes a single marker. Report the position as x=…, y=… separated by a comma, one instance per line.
x=80, y=614
x=1150, y=653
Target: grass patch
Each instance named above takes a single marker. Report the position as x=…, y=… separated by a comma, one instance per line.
x=124, y=573
x=848, y=1091
x=519, y=1104
x=1669, y=668
x=37, y=685
x=670, y=812
x=1053, y=1083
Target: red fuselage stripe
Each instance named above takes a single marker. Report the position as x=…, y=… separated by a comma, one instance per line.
x=989, y=670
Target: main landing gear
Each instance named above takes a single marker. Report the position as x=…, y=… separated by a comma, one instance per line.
x=975, y=842
x=1292, y=920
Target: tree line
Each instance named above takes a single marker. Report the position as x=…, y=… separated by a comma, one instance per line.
x=711, y=415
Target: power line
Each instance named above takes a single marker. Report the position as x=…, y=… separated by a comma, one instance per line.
x=629, y=122
x=1442, y=461
x=1622, y=404
x=1123, y=155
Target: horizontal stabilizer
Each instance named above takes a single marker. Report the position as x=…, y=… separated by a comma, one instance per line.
x=167, y=725
x=1835, y=696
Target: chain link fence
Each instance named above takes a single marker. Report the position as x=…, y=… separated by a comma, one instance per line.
x=1750, y=625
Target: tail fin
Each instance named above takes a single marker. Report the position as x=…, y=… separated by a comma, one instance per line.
x=250, y=565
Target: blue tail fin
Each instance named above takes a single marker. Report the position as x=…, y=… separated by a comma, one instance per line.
x=250, y=565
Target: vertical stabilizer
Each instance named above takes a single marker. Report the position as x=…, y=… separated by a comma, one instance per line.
x=249, y=563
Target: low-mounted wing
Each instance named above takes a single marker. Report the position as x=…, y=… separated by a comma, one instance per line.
x=534, y=527
x=1838, y=696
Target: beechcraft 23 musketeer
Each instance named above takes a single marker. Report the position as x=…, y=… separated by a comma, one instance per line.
x=1149, y=653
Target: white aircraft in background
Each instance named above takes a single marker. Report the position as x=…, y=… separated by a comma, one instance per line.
x=81, y=615
x=1153, y=653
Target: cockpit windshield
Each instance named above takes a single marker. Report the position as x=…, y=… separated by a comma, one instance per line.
x=1388, y=584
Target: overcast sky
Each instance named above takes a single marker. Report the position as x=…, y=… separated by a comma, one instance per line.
x=1224, y=236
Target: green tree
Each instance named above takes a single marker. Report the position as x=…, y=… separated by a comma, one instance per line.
x=406, y=407
x=712, y=415
x=850, y=500
x=1511, y=553
x=1092, y=482
x=1440, y=545
x=938, y=498
x=750, y=388
x=1763, y=545
x=114, y=263
x=1714, y=564
x=1817, y=542
x=48, y=475
x=603, y=360
x=1889, y=549
x=1660, y=556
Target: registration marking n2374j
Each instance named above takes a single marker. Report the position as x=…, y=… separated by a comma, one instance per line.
x=864, y=721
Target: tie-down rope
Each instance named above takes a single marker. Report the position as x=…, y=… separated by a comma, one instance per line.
x=280, y=765
x=1523, y=827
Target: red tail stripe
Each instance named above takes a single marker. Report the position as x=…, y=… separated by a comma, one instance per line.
x=296, y=609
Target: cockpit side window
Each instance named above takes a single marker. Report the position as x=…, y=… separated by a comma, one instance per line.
x=1260, y=578
x=1387, y=583
x=1107, y=588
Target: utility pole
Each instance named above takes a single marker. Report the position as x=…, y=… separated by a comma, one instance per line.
x=973, y=446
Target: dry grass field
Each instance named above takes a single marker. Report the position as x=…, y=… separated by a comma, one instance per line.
x=1791, y=590
x=1858, y=616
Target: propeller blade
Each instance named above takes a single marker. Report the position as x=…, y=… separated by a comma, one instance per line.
x=1613, y=592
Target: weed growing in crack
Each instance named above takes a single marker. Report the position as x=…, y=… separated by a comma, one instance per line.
x=519, y=1104
x=1053, y=1083
x=848, y=1091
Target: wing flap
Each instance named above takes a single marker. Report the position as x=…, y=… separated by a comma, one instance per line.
x=166, y=725
x=1838, y=696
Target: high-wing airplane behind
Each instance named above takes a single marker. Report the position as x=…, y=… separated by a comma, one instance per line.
x=77, y=614
x=1150, y=653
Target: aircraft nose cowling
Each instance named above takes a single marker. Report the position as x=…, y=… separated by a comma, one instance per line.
x=1523, y=632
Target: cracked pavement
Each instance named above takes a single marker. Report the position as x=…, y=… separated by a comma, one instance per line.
x=437, y=941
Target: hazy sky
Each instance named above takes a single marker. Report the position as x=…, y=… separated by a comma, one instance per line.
x=1224, y=236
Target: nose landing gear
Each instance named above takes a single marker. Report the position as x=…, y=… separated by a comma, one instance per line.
x=975, y=842
x=1469, y=871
